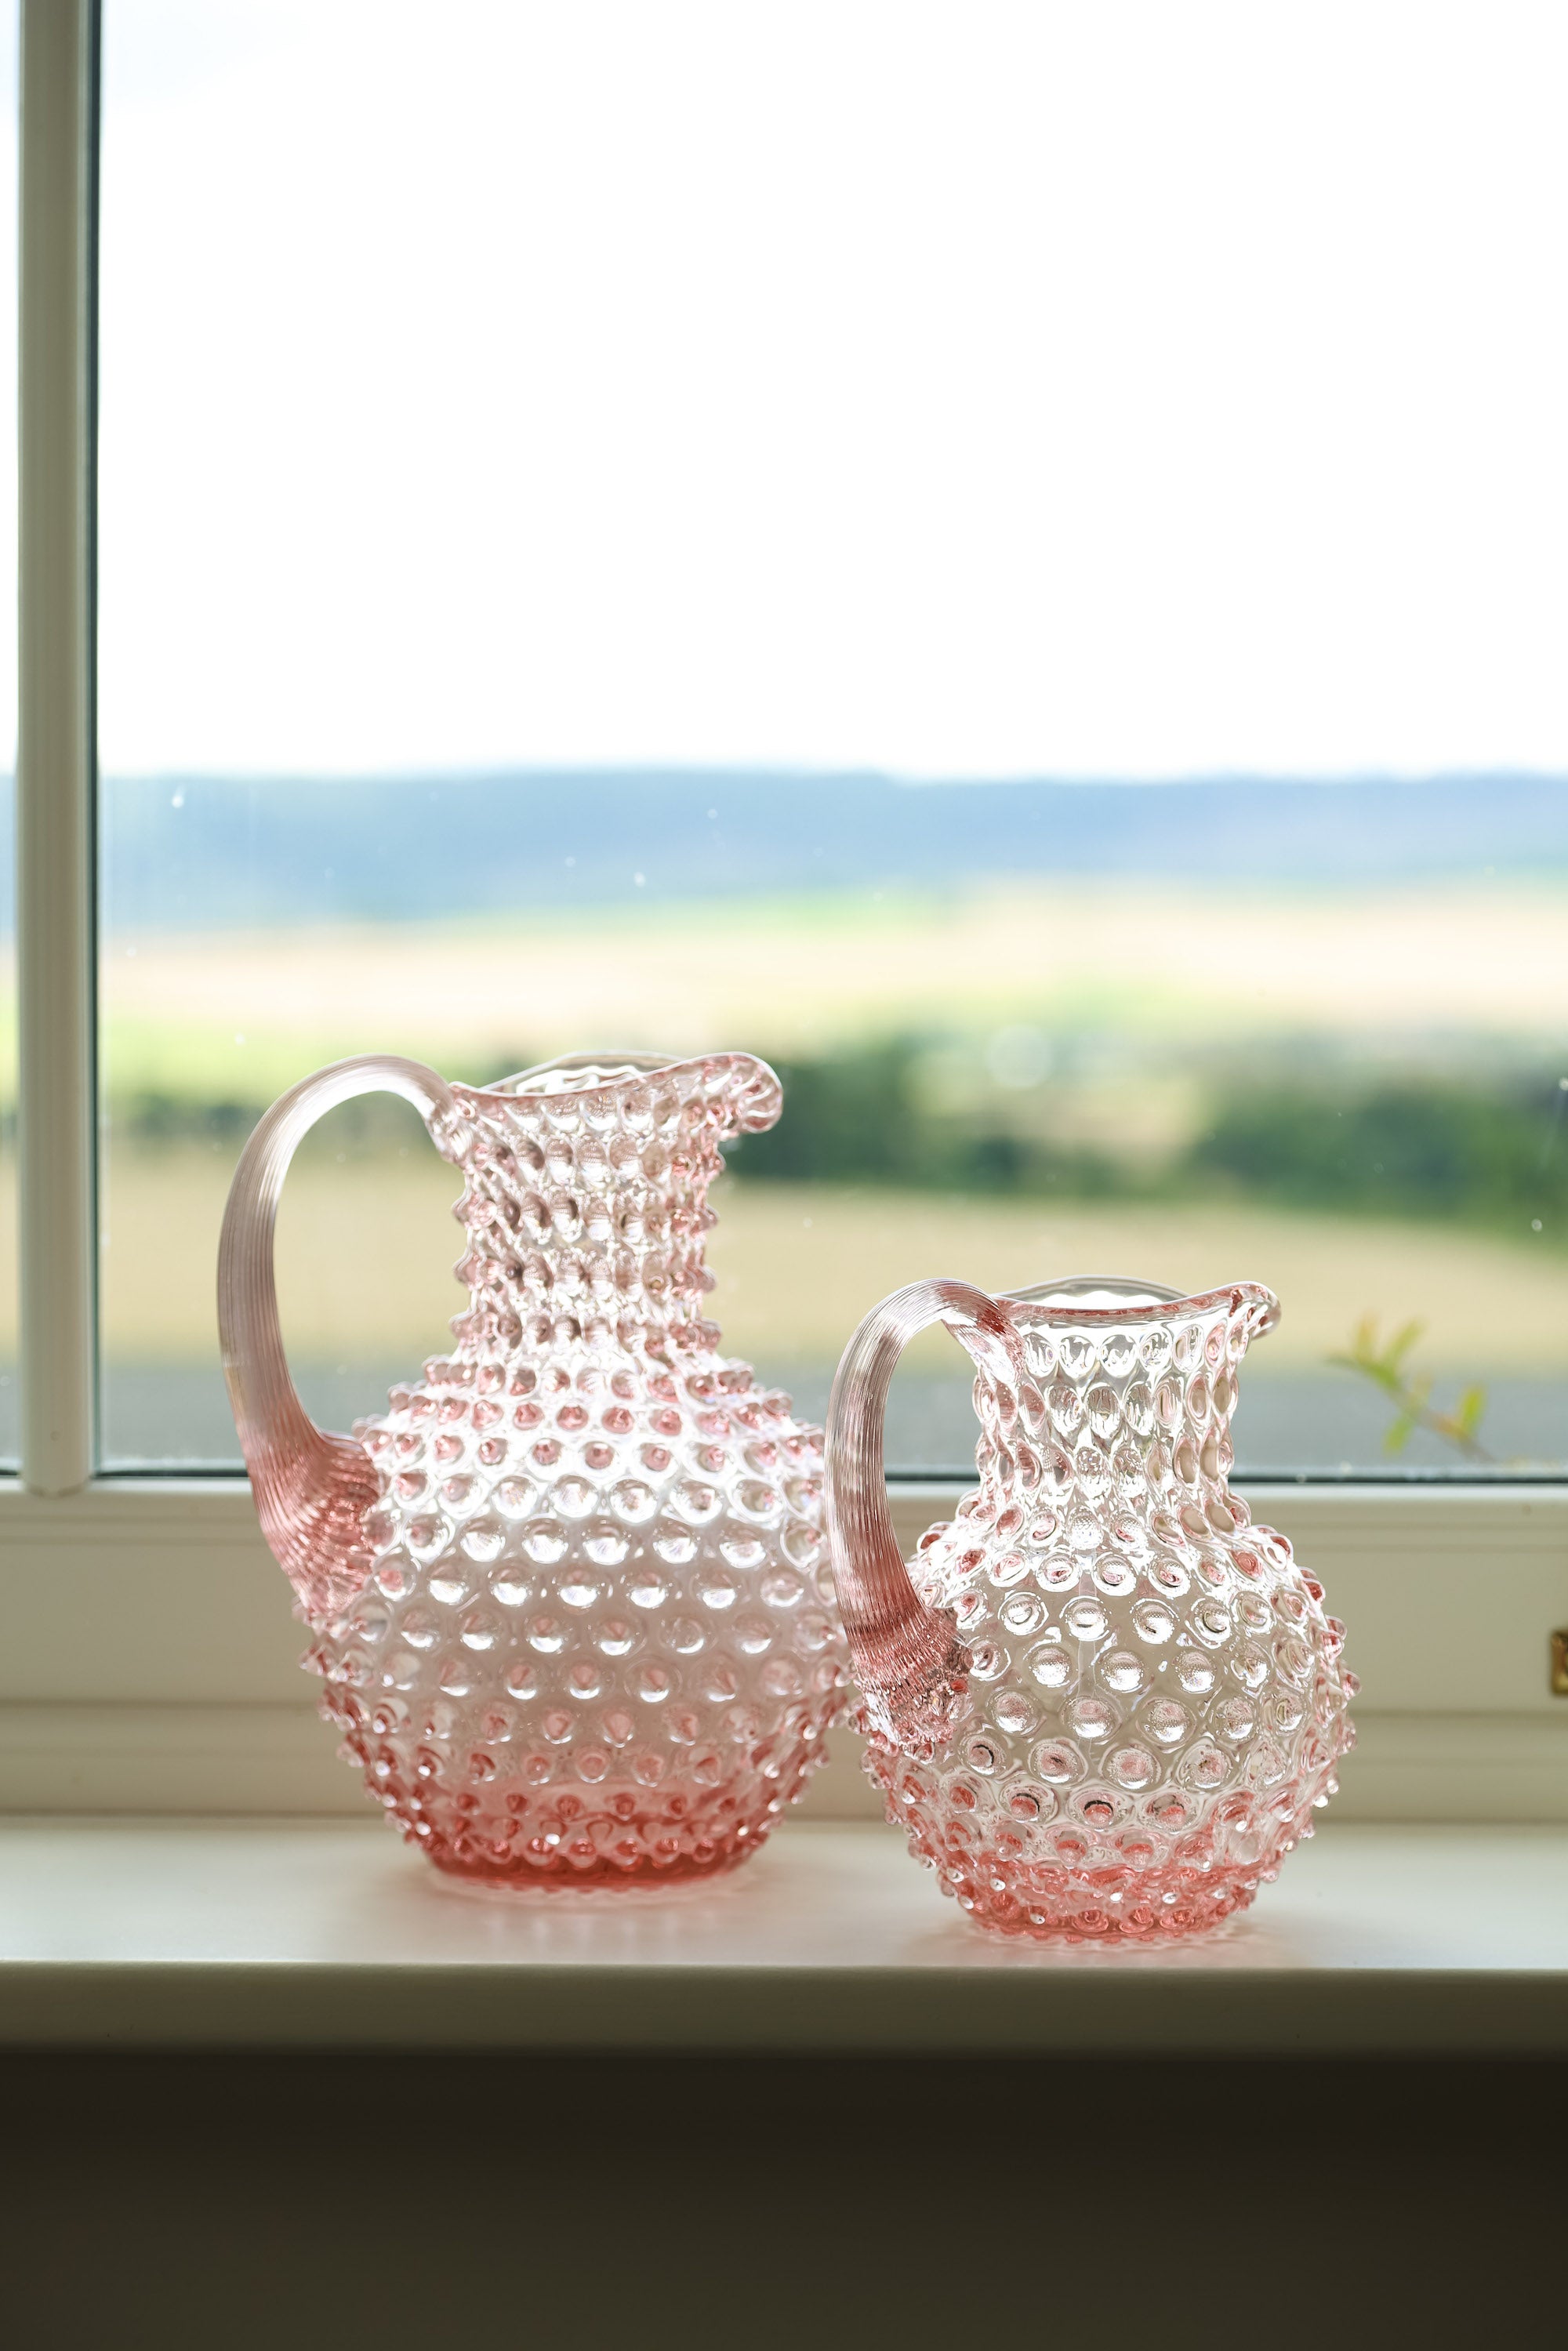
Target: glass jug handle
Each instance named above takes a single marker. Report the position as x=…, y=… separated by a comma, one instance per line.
x=312, y=1489
x=908, y=1658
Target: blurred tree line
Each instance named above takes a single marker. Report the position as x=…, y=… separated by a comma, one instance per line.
x=1439, y=1147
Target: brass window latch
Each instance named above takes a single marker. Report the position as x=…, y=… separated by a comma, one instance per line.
x=1560, y=1662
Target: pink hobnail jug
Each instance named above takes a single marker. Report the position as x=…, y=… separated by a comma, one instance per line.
x=1100, y=1701
x=569, y=1592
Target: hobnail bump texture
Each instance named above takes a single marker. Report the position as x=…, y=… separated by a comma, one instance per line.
x=582, y=1630
x=1131, y=1702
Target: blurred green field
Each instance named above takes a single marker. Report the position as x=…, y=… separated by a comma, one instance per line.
x=1455, y=970
x=1116, y=1022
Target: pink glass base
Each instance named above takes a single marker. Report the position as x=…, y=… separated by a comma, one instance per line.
x=568, y=1839
x=1179, y=1885
x=1153, y=1906
x=597, y=1876
x=562, y=1894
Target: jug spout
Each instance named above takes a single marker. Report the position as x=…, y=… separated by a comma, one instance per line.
x=1116, y=1393
x=585, y=1196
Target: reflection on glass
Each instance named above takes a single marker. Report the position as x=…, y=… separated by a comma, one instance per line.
x=541, y=522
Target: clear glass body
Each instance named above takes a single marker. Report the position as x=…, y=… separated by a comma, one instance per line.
x=569, y=1592
x=1101, y=1702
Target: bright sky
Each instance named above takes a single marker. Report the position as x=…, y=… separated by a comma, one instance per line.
x=966, y=388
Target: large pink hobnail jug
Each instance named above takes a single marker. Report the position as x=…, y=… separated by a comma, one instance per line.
x=1100, y=1701
x=569, y=1592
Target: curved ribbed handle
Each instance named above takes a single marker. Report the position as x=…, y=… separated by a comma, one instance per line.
x=908, y=1658
x=312, y=1489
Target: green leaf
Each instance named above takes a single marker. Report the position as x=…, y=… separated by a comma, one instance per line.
x=1469, y=1411
x=1384, y=1366
x=1399, y=1346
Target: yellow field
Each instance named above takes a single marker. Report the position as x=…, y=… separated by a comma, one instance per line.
x=365, y=1252
x=240, y=1017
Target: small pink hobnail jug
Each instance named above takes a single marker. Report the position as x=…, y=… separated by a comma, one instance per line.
x=569, y=1592
x=1102, y=1703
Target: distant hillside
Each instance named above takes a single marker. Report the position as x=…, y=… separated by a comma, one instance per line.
x=201, y=852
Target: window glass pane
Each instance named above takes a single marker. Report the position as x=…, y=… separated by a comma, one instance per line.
x=9, y=1401
x=1008, y=558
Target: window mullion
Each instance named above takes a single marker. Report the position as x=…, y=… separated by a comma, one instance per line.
x=54, y=752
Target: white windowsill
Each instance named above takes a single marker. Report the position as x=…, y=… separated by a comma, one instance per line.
x=1375, y=1940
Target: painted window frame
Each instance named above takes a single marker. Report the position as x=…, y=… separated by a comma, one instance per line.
x=146, y=1658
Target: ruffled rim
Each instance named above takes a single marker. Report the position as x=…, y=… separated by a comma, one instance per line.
x=755, y=1094
x=1150, y=1301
